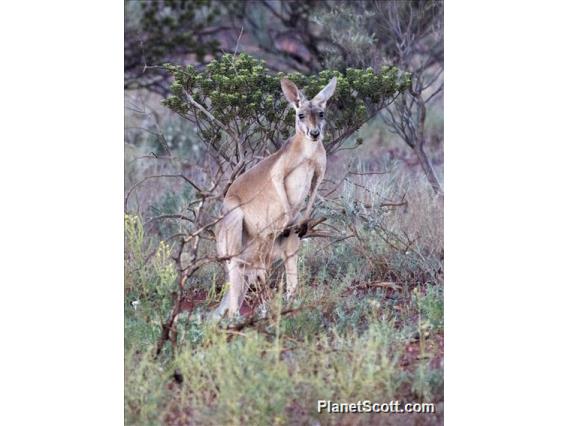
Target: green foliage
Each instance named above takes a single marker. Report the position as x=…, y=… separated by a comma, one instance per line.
x=431, y=306
x=155, y=274
x=149, y=280
x=427, y=382
x=275, y=376
x=134, y=248
x=250, y=388
x=243, y=95
x=143, y=396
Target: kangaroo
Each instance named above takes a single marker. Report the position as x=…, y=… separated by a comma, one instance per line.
x=268, y=198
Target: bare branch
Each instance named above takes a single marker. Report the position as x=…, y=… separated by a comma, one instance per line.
x=209, y=115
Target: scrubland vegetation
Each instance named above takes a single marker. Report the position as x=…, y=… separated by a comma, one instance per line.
x=367, y=322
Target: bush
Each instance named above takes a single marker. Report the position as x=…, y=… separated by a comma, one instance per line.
x=243, y=95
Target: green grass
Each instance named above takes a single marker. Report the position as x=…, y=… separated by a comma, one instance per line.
x=349, y=344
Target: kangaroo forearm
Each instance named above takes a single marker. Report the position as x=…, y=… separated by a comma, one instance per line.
x=283, y=197
x=310, y=205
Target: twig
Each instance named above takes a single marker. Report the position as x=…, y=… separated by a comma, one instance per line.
x=178, y=176
x=168, y=216
x=209, y=115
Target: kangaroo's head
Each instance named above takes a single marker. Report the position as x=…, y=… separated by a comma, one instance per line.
x=310, y=114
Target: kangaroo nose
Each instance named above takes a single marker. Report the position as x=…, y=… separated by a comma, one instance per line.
x=315, y=133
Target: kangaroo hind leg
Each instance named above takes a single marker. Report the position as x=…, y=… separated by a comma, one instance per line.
x=230, y=243
x=289, y=249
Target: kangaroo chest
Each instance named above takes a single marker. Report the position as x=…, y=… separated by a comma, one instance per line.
x=298, y=182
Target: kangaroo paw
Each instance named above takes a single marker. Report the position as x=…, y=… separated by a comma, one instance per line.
x=303, y=229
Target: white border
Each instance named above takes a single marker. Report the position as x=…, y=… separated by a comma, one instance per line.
x=506, y=212
x=61, y=214
x=62, y=190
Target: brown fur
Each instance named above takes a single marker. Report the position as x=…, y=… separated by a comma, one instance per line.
x=270, y=196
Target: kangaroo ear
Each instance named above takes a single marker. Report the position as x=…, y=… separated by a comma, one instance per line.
x=292, y=93
x=322, y=97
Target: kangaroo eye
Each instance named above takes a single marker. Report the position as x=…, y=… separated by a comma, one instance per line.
x=301, y=116
x=321, y=114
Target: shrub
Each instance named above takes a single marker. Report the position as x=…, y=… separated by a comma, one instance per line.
x=244, y=96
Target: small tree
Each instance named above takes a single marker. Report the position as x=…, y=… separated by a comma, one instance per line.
x=408, y=34
x=239, y=111
x=240, y=116
x=416, y=39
